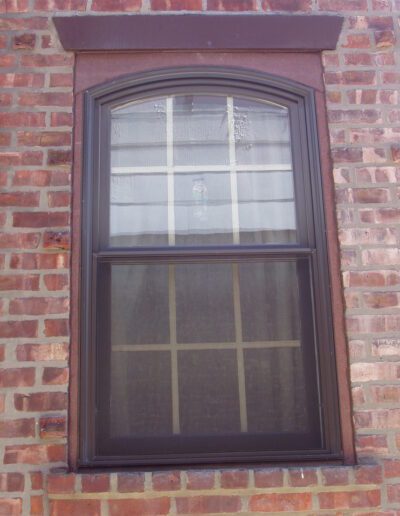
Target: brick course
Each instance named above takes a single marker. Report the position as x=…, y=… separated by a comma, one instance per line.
x=362, y=79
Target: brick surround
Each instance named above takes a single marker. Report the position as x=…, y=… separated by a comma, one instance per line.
x=362, y=79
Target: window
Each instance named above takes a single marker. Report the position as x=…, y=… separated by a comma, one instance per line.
x=206, y=335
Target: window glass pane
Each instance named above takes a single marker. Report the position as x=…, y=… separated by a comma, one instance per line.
x=139, y=305
x=141, y=400
x=204, y=303
x=262, y=133
x=275, y=390
x=200, y=130
x=216, y=170
x=269, y=301
x=209, y=348
x=138, y=211
x=266, y=207
x=208, y=392
x=138, y=134
x=203, y=208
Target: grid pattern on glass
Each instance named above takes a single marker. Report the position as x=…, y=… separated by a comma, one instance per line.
x=206, y=170
x=216, y=368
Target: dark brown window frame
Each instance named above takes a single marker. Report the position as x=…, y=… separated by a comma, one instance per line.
x=107, y=63
x=266, y=86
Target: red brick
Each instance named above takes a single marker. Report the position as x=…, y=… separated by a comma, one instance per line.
x=40, y=219
x=5, y=99
x=7, y=61
x=346, y=155
x=56, y=281
x=18, y=80
x=357, y=40
x=130, y=482
x=37, y=505
x=45, y=99
x=139, y=507
x=207, y=504
x=17, y=428
x=350, y=500
x=200, y=479
x=371, y=195
x=5, y=139
x=391, y=468
x=176, y=5
x=22, y=119
x=31, y=178
x=56, y=327
x=19, y=282
x=12, y=482
x=385, y=393
x=39, y=305
x=281, y=502
x=17, y=377
x=287, y=5
x=41, y=401
x=43, y=139
x=17, y=23
x=11, y=506
x=36, y=480
x=16, y=6
x=380, y=299
x=61, y=483
x=335, y=476
x=395, y=150
x=33, y=261
x=368, y=474
x=55, y=376
x=19, y=199
x=56, y=240
x=95, y=483
x=60, y=119
x=116, y=5
x=75, y=507
x=59, y=157
x=52, y=427
x=63, y=80
x=268, y=477
x=166, y=481
x=24, y=41
x=58, y=199
x=343, y=5
x=231, y=5
x=34, y=454
x=46, y=60
x=60, y=5
x=302, y=477
x=384, y=38
x=42, y=352
x=17, y=329
x=232, y=479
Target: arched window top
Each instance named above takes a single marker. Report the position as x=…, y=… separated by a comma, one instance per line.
x=221, y=166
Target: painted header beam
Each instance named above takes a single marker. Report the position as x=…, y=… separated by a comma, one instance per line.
x=100, y=33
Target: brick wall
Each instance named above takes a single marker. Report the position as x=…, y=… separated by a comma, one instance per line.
x=362, y=81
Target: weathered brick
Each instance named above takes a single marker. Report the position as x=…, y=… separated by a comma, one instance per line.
x=17, y=377
x=208, y=504
x=52, y=427
x=280, y=502
x=130, y=482
x=95, y=483
x=17, y=428
x=41, y=401
x=139, y=507
x=34, y=454
x=75, y=507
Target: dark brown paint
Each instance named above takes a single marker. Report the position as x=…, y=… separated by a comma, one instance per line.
x=199, y=32
x=93, y=69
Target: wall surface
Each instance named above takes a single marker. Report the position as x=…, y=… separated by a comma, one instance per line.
x=362, y=79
